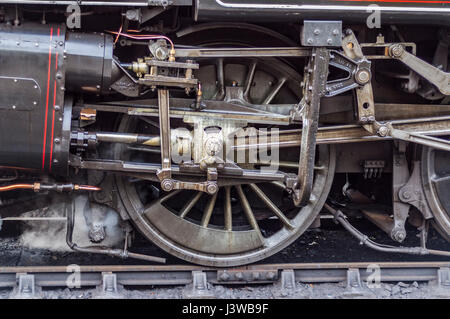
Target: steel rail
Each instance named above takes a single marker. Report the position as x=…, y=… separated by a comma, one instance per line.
x=142, y=275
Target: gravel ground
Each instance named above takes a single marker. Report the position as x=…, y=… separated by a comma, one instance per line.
x=331, y=244
x=399, y=290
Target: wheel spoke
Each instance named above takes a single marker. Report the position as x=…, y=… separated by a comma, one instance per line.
x=227, y=209
x=149, y=121
x=441, y=179
x=220, y=78
x=274, y=91
x=271, y=206
x=208, y=210
x=248, y=210
x=249, y=80
x=169, y=196
x=187, y=208
x=279, y=184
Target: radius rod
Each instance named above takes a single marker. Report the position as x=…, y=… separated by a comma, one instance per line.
x=314, y=89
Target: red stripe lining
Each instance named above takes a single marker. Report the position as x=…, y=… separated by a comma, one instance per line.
x=53, y=112
x=46, y=104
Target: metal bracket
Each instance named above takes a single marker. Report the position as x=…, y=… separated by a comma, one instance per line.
x=199, y=286
x=288, y=280
x=353, y=279
x=209, y=187
x=25, y=286
x=322, y=33
x=358, y=74
x=443, y=277
x=247, y=275
x=400, y=176
x=109, y=284
x=364, y=94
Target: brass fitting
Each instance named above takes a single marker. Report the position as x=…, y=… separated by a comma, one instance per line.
x=172, y=55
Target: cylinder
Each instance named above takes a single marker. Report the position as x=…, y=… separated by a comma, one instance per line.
x=89, y=63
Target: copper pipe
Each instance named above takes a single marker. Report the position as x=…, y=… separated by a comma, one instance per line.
x=87, y=188
x=17, y=186
x=56, y=187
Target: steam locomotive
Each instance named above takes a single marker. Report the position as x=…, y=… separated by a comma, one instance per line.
x=222, y=130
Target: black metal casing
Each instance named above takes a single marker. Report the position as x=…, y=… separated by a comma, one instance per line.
x=38, y=65
x=418, y=12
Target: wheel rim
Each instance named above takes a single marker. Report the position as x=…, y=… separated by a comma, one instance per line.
x=176, y=221
x=182, y=225
x=436, y=185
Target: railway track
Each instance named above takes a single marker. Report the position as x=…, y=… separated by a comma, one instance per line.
x=357, y=276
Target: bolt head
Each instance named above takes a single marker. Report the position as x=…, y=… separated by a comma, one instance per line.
x=167, y=185
x=383, y=131
x=239, y=276
x=362, y=76
x=270, y=275
x=224, y=276
x=396, y=50
x=212, y=188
